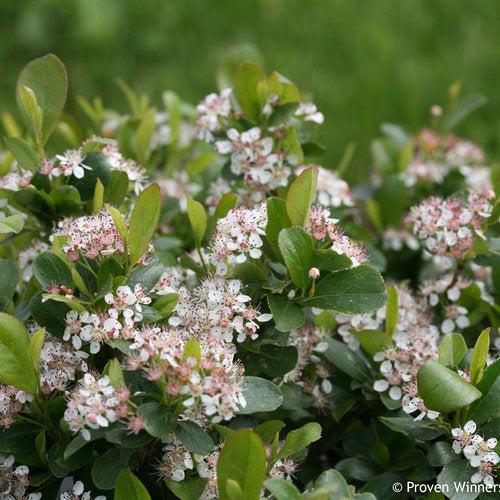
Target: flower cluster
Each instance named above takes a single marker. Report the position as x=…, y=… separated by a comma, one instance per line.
x=217, y=308
x=212, y=379
x=136, y=173
x=117, y=322
x=94, y=404
x=237, y=236
x=478, y=451
x=12, y=401
x=213, y=111
x=14, y=481
x=70, y=163
x=448, y=226
x=90, y=236
x=321, y=226
x=253, y=158
x=78, y=492
x=16, y=179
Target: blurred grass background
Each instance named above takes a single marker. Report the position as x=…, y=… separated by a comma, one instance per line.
x=363, y=62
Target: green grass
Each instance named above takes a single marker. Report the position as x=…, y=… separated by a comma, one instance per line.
x=363, y=61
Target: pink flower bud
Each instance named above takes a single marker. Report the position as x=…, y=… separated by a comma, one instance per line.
x=314, y=273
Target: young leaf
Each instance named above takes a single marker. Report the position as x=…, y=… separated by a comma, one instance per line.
x=243, y=460
x=444, y=390
x=301, y=195
x=35, y=348
x=452, y=349
x=479, y=356
x=16, y=361
x=129, y=487
x=346, y=361
x=11, y=224
x=246, y=84
x=298, y=439
x=283, y=490
x=296, y=247
x=357, y=290
x=391, y=314
x=31, y=112
x=198, y=220
x=47, y=78
x=10, y=275
x=287, y=315
x=189, y=489
x=144, y=220
x=98, y=201
x=260, y=395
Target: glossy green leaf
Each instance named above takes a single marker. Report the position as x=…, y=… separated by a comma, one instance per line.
x=10, y=275
x=277, y=219
x=144, y=220
x=444, y=390
x=346, y=361
x=189, y=489
x=391, y=312
x=243, y=460
x=287, y=315
x=194, y=438
x=299, y=439
x=479, y=356
x=16, y=358
x=246, y=84
x=198, y=219
x=373, y=341
x=158, y=421
x=301, y=195
x=260, y=395
x=50, y=270
x=129, y=487
x=107, y=467
x=283, y=490
x=357, y=291
x=296, y=247
x=47, y=78
x=11, y=224
x=452, y=349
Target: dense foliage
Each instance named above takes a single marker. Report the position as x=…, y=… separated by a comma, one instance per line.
x=192, y=308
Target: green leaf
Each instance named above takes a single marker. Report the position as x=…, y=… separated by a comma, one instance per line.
x=117, y=188
x=277, y=219
x=246, y=83
x=16, y=362
x=119, y=223
x=30, y=111
x=144, y=135
x=67, y=199
x=391, y=312
x=296, y=247
x=10, y=277
x=144, y=220
x=114, y=371
x=35, y=348
x=268, y=430
x=479, y=356
x=456, y=472
x=444, y=390
x=299, y=439
x=158, y=421
x=260, y=395
x=129, y=487
x=441, y=454
x=98, y=200
x=47, y=77
x=346, y=361
x=421, y=430
x=452, y=349
x=301, y=195
x=276, y=360
x=287, y=315
x=283, y=490
x=11, y=224
x=488, y=407
x=243, y=460
x=194, y=438
x=198, y=220
x=189, y=489
x=23, y=153
x=357, y=291
x=108, y=466
x=50, y=270
x=373, y=341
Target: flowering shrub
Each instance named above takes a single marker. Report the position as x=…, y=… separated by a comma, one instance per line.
x=191, y=308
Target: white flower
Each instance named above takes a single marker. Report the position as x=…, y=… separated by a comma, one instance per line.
x=463, y=437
